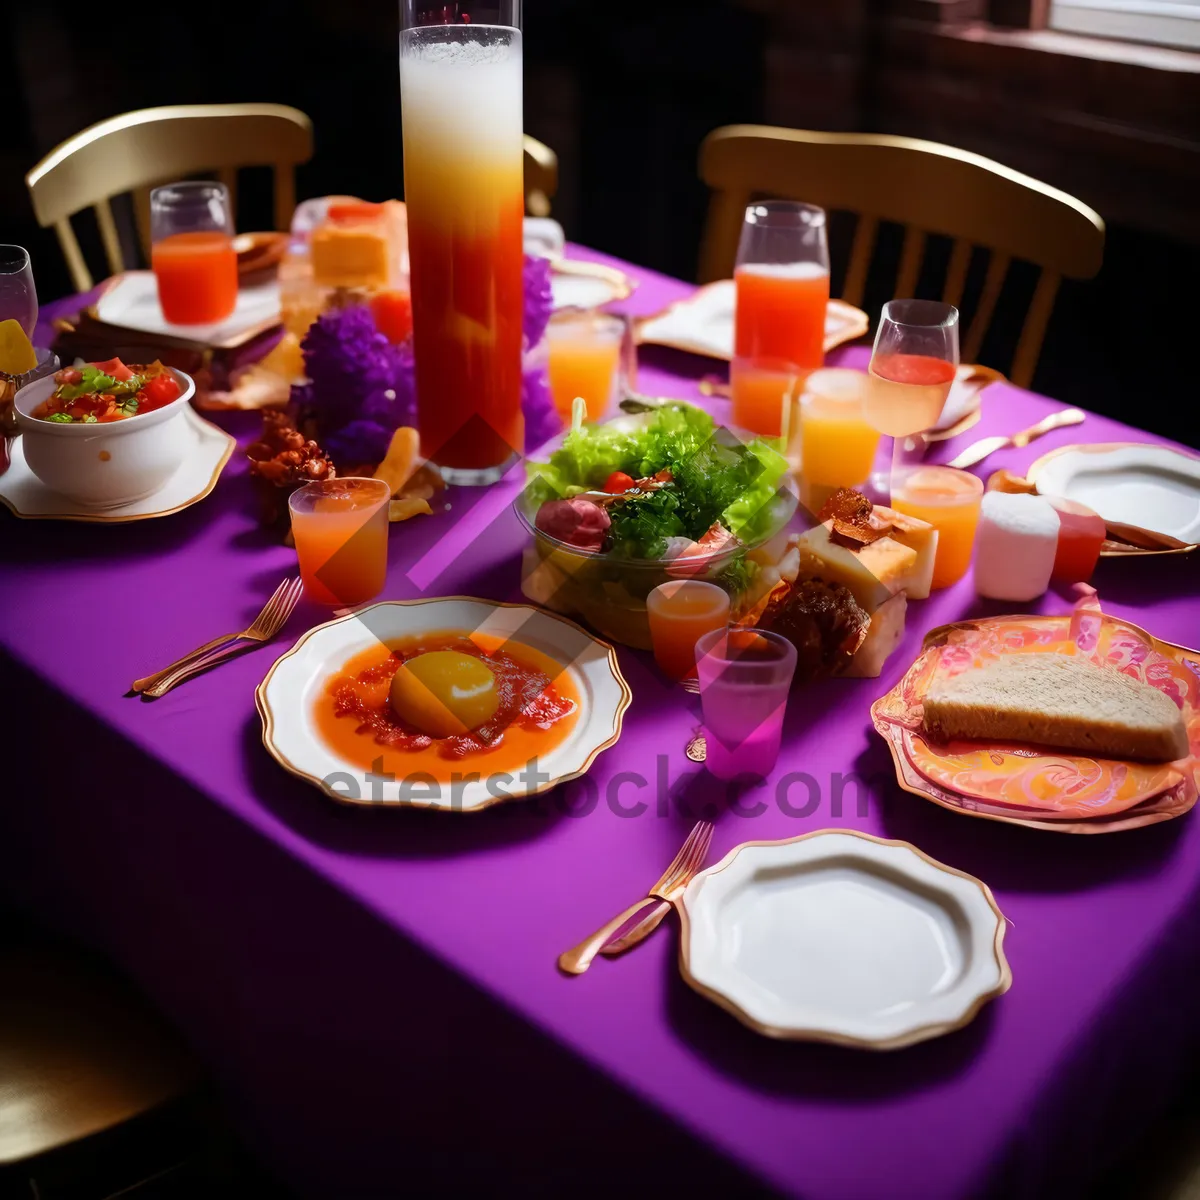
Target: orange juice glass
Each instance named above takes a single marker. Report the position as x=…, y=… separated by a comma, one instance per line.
x=192, y=254
x=837, y=444
x=949, y=500
x=782, y=284
x=340, y=527
x=461, y=99
x=764, y=391
x=681, y=612
x=585, y=359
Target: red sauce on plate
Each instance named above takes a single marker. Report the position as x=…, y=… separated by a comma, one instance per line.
x=538, y=707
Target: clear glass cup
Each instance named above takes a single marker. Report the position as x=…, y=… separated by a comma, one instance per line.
x=589, y=354
x=340, y=527
x=782, y=284
x=195, y=264
x=912, y=369
x=461, y=105
x=18, y=296
x=837, y=443
x=680, y=612
x=745, y=675
x=949, y=500
x=764, y=393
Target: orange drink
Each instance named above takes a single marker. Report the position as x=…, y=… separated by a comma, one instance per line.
x=463, y=162
x=197, y=276
x=584, y=360
x=780, y=312
x=681, y=612
x=763, y=392
x=907, y=392
x=340, y=527
x=837, y=443
x=949, y=500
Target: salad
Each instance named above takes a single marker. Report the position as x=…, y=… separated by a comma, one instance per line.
x=91, y=393
x=622, y=507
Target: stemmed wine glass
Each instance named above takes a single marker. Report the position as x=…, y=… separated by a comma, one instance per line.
x=18, y=296
x=913, y=364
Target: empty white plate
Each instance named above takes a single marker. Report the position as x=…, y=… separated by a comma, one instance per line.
x=843, y=937
x=1131, y=483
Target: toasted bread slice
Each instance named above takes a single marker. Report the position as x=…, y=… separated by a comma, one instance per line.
x=1059, y=700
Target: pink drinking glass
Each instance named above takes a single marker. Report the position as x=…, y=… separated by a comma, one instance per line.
x=744, y=678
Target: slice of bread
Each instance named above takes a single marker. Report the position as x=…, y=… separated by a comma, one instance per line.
x=1059, y=700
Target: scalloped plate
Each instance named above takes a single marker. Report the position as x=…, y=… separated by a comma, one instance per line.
x=1072, y=793
x=839, y=936
x=287, y=696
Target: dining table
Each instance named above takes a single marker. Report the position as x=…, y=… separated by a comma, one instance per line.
x=374, y=990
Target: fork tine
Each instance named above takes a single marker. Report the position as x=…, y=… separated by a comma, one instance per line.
x=283, y=610
x=687, y=851
x=277, y=610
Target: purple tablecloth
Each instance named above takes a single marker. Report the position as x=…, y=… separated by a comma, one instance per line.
x=376, y=991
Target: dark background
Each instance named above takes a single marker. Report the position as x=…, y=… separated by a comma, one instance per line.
x=625, y=93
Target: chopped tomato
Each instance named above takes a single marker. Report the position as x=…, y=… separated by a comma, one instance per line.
x=114, y=367
x=617, y=483
x=159, y=390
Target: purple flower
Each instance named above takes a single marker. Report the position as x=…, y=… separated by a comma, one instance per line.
x=542, y=421
x=360, y=386
x=539, y=300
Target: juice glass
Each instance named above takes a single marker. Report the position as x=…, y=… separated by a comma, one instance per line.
x=681, y=611
x=744, y=677
x=837, y=443
x=763, y=391
x=588, y=355
x=340, y=527
x=460, y=85
x=949, y=500
x=782, y=284
x=195, y=265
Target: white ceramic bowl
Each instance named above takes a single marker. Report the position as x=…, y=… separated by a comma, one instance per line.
x=105, y=465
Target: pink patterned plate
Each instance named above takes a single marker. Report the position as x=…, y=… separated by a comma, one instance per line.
x=1020, y=784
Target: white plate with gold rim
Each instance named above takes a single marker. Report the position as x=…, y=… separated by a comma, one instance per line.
x=1130, y=483
x=703, y=323
x=578, y=284
x=838, y=936
x=210, y=448
x=287, y=700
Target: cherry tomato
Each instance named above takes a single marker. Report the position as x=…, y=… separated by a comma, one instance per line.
x=617, y=483
x=158, y=391
x=114, y=367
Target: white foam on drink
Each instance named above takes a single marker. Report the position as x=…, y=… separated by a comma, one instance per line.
x=460, y=89
x=797, y=270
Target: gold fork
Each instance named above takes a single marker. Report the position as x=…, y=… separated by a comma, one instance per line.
x=266, y=625
x=669, y=888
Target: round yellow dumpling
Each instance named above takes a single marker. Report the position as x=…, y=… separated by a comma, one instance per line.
x=444, y=693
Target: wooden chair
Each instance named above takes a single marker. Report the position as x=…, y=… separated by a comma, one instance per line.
x=541, y=177
x=926, y=187
x=140, y=150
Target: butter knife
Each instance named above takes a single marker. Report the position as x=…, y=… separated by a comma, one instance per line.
x=978, y=451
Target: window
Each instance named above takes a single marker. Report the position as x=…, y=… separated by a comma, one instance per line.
x=1163, y=22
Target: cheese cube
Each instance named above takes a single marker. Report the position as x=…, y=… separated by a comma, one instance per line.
x=872, y=573
x=350, y=255
x=918, y=536
x=883, y=636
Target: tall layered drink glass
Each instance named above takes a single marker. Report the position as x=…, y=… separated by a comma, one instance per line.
x=460, y=85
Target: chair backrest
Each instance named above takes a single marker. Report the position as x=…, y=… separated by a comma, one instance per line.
x=137, y=151
x=926, y=187
x=541, y=177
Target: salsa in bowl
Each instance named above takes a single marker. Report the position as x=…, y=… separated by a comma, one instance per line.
x=105, y=434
